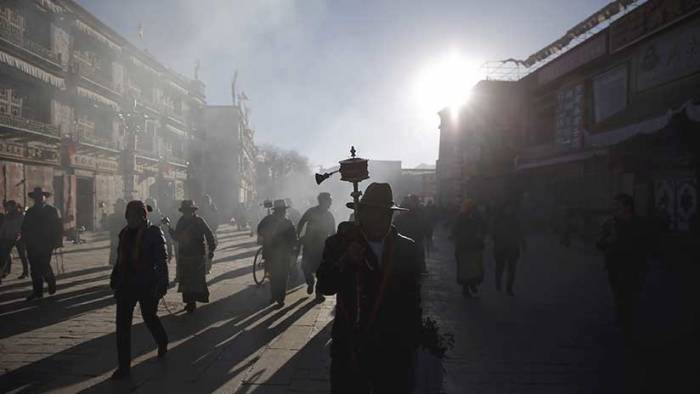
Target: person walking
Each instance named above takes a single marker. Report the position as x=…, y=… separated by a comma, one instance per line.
x=10, y=237
x=374, y=272
x=508, y=241
x=191, y=233
x=279, y=240
x=315, y=226
x=42, y=232
x=139, y=276
x=624, y=241
x=468, y=234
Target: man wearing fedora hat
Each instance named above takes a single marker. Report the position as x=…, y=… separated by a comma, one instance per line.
x=190, y=234
x=42, y=232
x=316, y=225
x=279, y=241
x=374, y=273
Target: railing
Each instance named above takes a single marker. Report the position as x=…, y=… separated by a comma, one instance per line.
x=90, y=72
x=28, y=124
x=15, y=36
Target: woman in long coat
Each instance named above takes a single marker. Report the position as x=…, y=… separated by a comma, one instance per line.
x=190, y=234
x=468, y=234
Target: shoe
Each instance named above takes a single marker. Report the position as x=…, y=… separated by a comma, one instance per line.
x=162, y=350
x=190, y=307
x=309, y=289
x=320, y=298
x=121, y=373
x=35, y=296
x=52, y=288
x=23, y=276
x=280, y=304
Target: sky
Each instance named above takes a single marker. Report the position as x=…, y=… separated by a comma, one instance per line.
x=322, y=75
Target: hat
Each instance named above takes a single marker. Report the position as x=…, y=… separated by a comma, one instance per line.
x=279, y=204
x=38, y=191
x=188, y=205
x=378, y=195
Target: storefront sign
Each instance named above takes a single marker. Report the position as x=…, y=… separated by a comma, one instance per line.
x=12, y=150
x=647, y=19
x=45, y=155
x=671, y=56
x=83, y=161
x=107, y=165
x=575, y=58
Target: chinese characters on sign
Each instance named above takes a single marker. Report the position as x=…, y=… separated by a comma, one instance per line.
x=668, y=57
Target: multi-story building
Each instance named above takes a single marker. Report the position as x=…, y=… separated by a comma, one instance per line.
x=229, y=158
x=615, y=112
x=87, y=115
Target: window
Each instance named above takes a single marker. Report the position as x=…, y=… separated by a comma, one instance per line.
x=609, y=93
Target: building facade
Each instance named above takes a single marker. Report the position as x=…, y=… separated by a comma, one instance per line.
x=229, y=159
x=618, y=112
x=87, y=115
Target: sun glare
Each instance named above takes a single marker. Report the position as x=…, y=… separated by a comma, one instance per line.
x=447, y=82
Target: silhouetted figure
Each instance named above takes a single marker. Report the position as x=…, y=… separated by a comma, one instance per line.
x=624, y=241
x=316, y=225
x=279, y=240
x=140, y=275
x=414, y=225
x=191, y=232
x=10, y=237
x=468, y=234
x=115, y=224
x=42, y=232
x=374, y=272
x=508, y=240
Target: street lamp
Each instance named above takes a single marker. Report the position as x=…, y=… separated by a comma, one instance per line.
x=132, y=123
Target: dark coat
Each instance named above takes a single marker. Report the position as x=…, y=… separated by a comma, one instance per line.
x=152, y=254
x=468, y=232
x=190, y=235
x=278, y=237
x=390, y=308
x=42, y=229
x=625, y=244
x=507, y=234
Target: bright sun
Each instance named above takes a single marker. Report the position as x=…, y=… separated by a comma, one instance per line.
x=446, y=82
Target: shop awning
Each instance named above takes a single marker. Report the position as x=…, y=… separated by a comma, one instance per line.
x=523, y=164
x=51, y=6
x=97, y=97
x=34, y=71
x=649, y=126
x=96, y=34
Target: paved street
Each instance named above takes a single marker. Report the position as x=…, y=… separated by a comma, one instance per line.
x=557, y=335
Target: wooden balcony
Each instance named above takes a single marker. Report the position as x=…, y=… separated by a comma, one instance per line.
x=15, y=37
x=27, y=127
